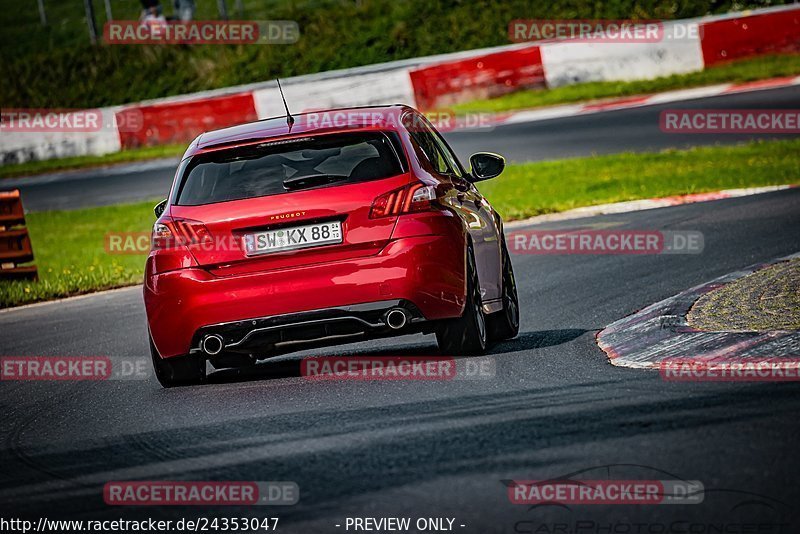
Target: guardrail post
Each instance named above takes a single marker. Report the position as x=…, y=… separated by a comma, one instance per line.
x=42, y=14
x=90, y=22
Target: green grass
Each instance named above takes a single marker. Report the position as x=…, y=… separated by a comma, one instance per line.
x=82, y=162
x=531, y=189
x=55, y=66
x=69, y=250
x=736, y=71
x=70, y=253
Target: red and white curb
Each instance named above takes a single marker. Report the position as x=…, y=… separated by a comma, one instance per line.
x=646, y=204
x=661, y=332
x=630, y=102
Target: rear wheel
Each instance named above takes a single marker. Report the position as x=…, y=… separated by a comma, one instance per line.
x=466, y=334
x=505, y=323
x=178, y=371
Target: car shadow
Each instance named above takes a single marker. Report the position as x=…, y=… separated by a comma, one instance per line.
x=538, y=340
x=291, y=368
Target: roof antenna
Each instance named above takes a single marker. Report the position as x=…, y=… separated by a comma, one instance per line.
x=289, y=118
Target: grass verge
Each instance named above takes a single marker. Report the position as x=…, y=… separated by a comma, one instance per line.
x=84, y=162
x=760, y=68
x=70, y=251
x=529, y=189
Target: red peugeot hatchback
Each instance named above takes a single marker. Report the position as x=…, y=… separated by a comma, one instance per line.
x=344, y=225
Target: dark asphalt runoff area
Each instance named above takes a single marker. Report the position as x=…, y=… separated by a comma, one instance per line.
x=608, y=132
x=442, y=449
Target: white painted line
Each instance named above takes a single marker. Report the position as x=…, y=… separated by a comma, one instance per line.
x=70, y=299
x=689, y=94
x=645, y=204
x=602, y=106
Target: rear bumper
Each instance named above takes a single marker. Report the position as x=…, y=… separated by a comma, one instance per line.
x=268, y=336
x=423, y=273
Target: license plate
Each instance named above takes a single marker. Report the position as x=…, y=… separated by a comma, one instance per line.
x=292, y=238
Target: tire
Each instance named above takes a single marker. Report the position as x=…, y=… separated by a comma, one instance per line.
x=178, y=371
x=467, y=334
x=505, y=323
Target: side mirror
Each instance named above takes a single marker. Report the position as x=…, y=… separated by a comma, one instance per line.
x=160, y=207
x=486, y=165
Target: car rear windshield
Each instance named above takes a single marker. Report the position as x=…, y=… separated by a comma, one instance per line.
x=277, y=167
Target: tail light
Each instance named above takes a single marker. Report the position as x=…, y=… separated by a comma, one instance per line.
x=409, y=199
x=170, y=233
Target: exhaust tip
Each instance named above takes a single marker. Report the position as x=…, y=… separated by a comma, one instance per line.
x=396, y=319
x=212, y=344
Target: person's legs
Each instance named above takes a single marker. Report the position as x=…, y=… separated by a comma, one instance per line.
x=185, y=10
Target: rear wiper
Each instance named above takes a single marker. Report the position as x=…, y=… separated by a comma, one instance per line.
x=312, y=180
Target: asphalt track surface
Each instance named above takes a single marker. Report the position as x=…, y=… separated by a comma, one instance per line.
x=625, y=130
x=555, y=406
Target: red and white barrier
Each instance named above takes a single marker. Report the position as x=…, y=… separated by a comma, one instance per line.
x=426, y=83
x=484, y=76
x=567, y=63
x=182, y=120
x=684, y=46
x=22, y=146
x=735, y=37
x=374, y=88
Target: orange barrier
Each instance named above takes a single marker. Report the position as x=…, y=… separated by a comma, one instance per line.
x=15, y=243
